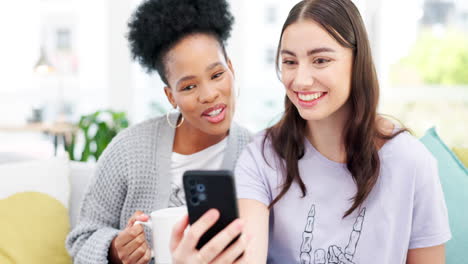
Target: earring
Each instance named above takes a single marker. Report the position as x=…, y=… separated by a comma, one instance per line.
x=169, y=121
x=235, y=89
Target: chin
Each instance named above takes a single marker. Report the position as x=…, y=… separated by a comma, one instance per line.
x=218, y=129
x=312, y=115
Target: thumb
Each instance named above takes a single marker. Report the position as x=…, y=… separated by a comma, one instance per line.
x=178, y=232
x=137, y=216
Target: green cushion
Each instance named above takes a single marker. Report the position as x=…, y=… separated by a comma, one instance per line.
x=454, y=178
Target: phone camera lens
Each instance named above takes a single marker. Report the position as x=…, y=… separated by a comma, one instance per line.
x=201, y=187
x=202, y=197
x=195, y=200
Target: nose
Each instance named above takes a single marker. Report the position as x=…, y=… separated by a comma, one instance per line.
x=304, y=77
x=208, y=94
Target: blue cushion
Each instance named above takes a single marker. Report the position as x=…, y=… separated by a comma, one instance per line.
x=454, y=178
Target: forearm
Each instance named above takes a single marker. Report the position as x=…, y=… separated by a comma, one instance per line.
x=256, y=252
x=255, y=215
x=429, y=255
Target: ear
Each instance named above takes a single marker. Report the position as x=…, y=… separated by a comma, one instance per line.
x=229, y=64
x=170, y=96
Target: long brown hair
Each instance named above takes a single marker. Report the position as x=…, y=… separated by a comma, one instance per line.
x=341, y=19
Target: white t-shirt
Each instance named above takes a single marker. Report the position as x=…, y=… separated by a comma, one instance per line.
x=405, y=209
x=210, y=158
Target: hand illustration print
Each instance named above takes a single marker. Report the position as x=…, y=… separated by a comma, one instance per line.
x=335, y=254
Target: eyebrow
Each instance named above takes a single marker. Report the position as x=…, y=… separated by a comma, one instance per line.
x=190, y=77
x=185, y=78
x=213, y=65
x=310, y=52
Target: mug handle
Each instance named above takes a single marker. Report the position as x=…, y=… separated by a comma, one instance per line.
x=149, y=225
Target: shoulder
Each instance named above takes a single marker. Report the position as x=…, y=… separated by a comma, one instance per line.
x=260, y=148
x=241, y=133
x=257, y=140
x=407, y=151
x=142, y=129
x=141, y=132
x=238, y=138
x=136, y=137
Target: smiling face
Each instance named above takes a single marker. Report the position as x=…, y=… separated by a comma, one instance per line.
x=201, y=82
x=315, y=70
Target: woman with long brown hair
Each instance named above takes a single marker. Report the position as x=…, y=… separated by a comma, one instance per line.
x=333, y=181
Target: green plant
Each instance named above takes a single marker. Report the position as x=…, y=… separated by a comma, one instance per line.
x=97, y=129
x=440, y=59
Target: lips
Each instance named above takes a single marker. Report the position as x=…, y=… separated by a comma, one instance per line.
x=215, y=114
x=309, y=99
x=212, y=110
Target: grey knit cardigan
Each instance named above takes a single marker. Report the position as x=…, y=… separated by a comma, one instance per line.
x=132, y=174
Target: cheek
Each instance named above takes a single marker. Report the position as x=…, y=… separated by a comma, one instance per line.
x=341, y=84
x=346, y=71
x=288, y=82
x=186, y=103
x=287, y=78
x=226, y=86
x=345, y=83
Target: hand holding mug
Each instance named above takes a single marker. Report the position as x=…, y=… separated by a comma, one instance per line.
x=161, y=223
x=130, y=246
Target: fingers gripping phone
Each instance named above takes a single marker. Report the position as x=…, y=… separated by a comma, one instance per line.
x=205, y=190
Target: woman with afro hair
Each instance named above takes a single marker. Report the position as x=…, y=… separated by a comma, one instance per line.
x=141, y=170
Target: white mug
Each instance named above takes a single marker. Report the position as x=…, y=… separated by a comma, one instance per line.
x=161, y=223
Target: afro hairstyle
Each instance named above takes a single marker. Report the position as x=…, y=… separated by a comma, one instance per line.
x=158, y=25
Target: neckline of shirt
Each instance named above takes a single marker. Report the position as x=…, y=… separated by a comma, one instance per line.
x=308, y=146
x=218, y=146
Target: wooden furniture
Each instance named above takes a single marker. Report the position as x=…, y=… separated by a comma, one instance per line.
x=58, y=130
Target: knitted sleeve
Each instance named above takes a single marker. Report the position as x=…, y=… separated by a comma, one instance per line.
x=101, y=208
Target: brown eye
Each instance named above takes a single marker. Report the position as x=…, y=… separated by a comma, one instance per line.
x=289, y=62
x=217, y=75
x=321, y=61
x=188, y=88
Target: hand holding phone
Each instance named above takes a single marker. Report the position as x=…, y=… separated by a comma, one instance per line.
x=215, y=228
x=183, y=244
x=205, y=190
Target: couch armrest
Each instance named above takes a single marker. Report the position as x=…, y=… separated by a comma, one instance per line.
x=80, y=176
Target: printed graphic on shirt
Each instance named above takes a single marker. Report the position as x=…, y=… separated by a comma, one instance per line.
x=335, y=254
x=177, y=197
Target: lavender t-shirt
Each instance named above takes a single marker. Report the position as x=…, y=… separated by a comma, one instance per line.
x=405, y=210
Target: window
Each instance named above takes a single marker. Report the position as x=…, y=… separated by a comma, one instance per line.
x=270, y=54
x=271, y=15
x=63, y=39
x=437, y=12
x=429, y=83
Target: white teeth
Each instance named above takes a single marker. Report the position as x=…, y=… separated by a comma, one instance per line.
x=215, y=112
x=309, y=97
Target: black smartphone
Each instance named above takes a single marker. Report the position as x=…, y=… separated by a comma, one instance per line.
x=205, y=190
